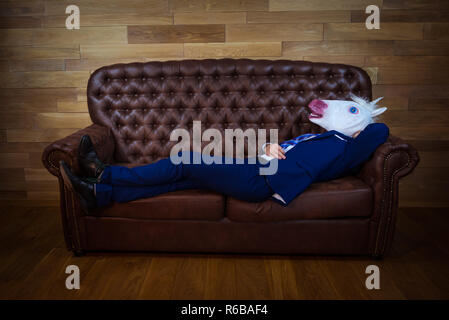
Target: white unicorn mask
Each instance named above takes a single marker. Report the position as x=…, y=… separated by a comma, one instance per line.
x=346, y=117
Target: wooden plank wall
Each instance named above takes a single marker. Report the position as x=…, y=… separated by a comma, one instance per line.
x=44, y=68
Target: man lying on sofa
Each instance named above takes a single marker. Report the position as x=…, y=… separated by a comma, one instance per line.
x=350, y=139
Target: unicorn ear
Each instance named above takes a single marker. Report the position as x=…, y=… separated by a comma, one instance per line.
x=378, y=111
x=376, y=101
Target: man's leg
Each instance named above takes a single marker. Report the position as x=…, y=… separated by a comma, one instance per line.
x=241, y=181
x=160, y=172
x=106, y=193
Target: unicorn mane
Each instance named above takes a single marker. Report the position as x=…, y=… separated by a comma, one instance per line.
x=364, y=103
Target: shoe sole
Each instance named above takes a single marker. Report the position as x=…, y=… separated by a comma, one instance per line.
x=84, y=172
x=68, y=183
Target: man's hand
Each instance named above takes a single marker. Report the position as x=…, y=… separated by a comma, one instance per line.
x=274, y=150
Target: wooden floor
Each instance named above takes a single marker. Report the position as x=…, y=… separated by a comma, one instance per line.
x=34, y=258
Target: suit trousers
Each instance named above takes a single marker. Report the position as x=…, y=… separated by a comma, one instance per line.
x=241, y=181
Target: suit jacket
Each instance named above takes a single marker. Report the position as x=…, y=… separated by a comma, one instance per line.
x=324, y=157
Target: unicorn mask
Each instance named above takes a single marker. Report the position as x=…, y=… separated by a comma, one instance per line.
x=346, y=117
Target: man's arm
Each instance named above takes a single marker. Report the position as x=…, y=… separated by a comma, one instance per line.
x=367, y=142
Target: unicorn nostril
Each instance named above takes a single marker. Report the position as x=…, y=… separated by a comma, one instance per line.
x=317, y=106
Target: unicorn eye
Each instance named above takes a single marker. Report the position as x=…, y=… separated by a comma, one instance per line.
x=354, y=110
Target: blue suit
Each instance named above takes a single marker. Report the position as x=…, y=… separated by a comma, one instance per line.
x=241, y=181
x=324, y=157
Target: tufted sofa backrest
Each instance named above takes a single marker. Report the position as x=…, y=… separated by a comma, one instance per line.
x=143, y=102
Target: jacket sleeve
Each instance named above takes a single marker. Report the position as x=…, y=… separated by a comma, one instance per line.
x=366, y=143
x=289, y=184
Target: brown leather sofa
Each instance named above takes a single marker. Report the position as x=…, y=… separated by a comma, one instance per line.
x=134, y=107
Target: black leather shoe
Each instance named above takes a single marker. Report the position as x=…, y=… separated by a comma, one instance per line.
x=84, y=189
x=90, y=165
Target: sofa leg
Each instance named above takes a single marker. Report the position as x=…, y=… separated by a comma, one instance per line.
x=78, y=253
x=377, y=257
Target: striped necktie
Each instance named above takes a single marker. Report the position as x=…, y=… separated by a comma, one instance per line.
x=295, y=141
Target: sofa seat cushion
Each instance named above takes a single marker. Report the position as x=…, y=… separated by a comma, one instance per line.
x=177, y=205
x=340, y=198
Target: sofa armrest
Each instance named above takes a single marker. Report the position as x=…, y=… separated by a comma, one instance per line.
x=66, y=148
x=391, y=161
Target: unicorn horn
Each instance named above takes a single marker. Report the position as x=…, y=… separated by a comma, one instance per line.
x=374, y=102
